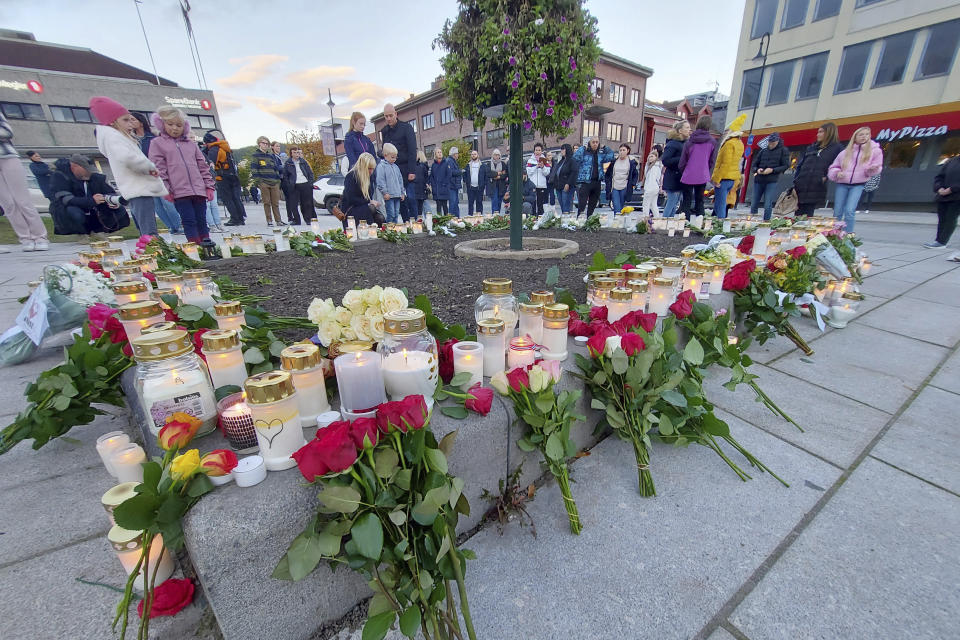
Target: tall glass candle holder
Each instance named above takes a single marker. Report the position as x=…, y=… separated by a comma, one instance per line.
x=172, y=378
x=520, y=353
x=672, y=268
x=127, y=292
x=170, y=281
x=556, y=320
x=128, y=545
x=639, y=292
x=276, y=418
x=491, y=335
x=304, y=363
x=229, y=314
x=127, y=461
x=693, y=280
x=150, y=259
x=498, y=301
x=236, y=422
x=661, y=296
x=359, y=382
x=128, y=273
x=601, y=291
x=100, y=245
x=199, y=288
x=191, y=250
x=410, y=356
x=107, y=444
x=620, y=275
x=137, y=315
x=89, y=256
x=542, y=297
x=761, y=236
x=531, y=321
x=468, y=358
x=224, y=355
x=112, y=258
x=225, y=244
x=619, y=303
x=280, y=241
x=844, y=309
x=717, y=272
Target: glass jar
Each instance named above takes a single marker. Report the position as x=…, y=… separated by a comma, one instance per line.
x=661, y=296
x=761, y=237
x=127, y=292
x=280, y=241
x=601, y=291
x=543, y=297
x=90, y=256
x=638, y=290
x=224, y=357
x=773, y=247
x=170, y=281
x=698, y=282
x=137, y=315
x=274, y=408
x=166, y=325
x=672, y=268
x=620, y=275
x=687, y=255
x=229, y=314
x=150, y=259
x=112, y=258
x=410, y=356
x=717, y=272
x=116, y=242
x=236, y=421
x=172, y=378
x=497, y=301
x=556, y=318
x=199, y=288
x=129, y=273
x=128, y=545
x=531, y=321
x=225, y=244
x=303, y=362
x=491, y=334
x=520, y=353
x=619, y=303
x=157, y=296
x=359, y=382
x=468, y=358
x=191, y=250
x=99, y=246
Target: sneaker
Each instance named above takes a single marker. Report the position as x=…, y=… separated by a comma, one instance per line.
x=955, y=257
x=41, y=245
x=28, y=246
x=218, y=228
x=269, y=224
x=933, y=245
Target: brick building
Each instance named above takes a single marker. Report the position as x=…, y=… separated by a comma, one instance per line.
x=615, y=115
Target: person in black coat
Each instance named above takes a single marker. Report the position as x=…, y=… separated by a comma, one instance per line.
x=564, y=178
x=498, y=180
x=79, y=204
x=42, y=172
x=299, y=178
x=767, y=167
x=421, y=181
x=946, y=184
x=810, y=176
x=358, y=189
x=402, y=136
x=672, y=152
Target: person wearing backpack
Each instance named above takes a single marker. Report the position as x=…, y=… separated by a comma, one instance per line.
x=225, y=175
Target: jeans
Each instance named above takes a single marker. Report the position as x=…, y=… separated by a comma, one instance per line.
x=144, y=215
x=767, y=191
x=442, y=208
x=866, y=200
x=408, y=208
x=619, y=197
x=565, y=198
x=193, y=213
x=693, y=195
x=947, y=215
x=720, y=193
x=474, y=197
x=393, y=209
x=672, y=203
x=845, y=200
x=213, y=213
x=588, y=197
x=454, y=202
x=496, y=201
x=168, y=215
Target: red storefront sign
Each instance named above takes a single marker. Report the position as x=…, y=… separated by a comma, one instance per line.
x=911, y=127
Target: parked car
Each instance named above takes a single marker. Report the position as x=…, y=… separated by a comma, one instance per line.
x=327, y=191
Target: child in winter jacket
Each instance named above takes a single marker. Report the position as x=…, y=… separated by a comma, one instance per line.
x=184, y=171
x=652, y=181
x=390, y=183
x=860, y=161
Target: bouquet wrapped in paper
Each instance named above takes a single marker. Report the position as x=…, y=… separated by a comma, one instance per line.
x=827, y=256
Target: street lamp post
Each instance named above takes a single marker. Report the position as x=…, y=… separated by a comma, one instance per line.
x=761, y=55
x=333, y=131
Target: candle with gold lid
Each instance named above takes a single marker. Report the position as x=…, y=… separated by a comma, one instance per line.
x=304, y=364
x=531, y=320
x=619, y=303
x=199, y=288
x=112, y=258
x=661, y=296
x=556, y=319
x=157, y=295
x=542, y=297
x=498, y=301
x=410, y=356
x=601, y=291
x=170, y=281
x=639, y=290
x=229, y=314
x=617, y=274
x=100, y=245
x=672, y=268
x=126, y=292
x=166, y=325
x=90, y=256
x=191, y=250
x=135, y=316
x=276, y=417
x=490, y=334
x=224, y=355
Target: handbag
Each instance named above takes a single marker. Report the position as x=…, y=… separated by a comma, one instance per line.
x=113, y=220
x=787, y=203
x=338, y=213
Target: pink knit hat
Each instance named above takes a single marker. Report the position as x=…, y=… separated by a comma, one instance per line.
x=106, y=110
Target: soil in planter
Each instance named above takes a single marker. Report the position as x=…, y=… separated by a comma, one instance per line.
x=427, y=265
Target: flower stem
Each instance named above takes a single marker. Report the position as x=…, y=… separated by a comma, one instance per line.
x=791, y=332
x=461, y=586
x=771, y=405
x=644, y=477
x=563, y=478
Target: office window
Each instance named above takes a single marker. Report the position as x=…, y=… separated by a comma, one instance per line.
x=208, y=122
x=940, y=50
x=894, y=55
x=750, y=90
x=811, y=76
x=614, y=131
x=71, y=114
x=634, y=97
x=194, y=121
x=781, y=76
x=617, y=92
x=22, y=111
x=631, y=134
x=853, y=66
x=826, y=9
x=428, y=122
x=864, y=3
x=446, y=115
x=596, y=88
x=428, y=151
x=495, y=139
x=794, y=14
x=591, y=128
x=764, y=13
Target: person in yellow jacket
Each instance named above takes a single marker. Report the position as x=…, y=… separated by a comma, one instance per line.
x=726, y=171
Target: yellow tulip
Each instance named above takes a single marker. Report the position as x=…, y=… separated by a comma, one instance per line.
x=185, y=465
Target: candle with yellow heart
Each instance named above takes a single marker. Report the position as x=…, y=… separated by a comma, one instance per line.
x=276, y=417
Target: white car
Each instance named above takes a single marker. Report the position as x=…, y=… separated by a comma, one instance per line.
x=327, y=191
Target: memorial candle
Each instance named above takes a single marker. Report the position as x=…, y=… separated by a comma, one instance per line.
x=237, y=423
x=137, y=315
x=360, y=381
x=128, y=545
x=619, y=303
x=304, y=363
x=520, y=353
x=661, y=296
x=556, y=320
x=126, y=462
x=468, y=358
x=107, y=444
x=229, y=314
x=490, y=334
x=531, y=321
x=224, y=355
x=276, y=418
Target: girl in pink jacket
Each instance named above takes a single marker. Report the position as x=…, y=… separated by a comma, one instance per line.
x=184, y=171
x=861, y=160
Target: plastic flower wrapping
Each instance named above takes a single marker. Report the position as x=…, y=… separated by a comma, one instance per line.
x=359, y=315
x=80, y=284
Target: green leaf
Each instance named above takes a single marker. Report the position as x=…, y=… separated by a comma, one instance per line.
x=525, y=445
x=385, y=461
x=340, y=499
x=444, y=548
x=446, y=443
x=620, y=362
x=554, y=449
x=458, y=412
x=410, y=621
x=426, y=580
x=460, y=379
x=422, y=302
x=253, y=355
x=282, y=570
x=424, y=513
x=199, y=485
x=367, y=534
x=675, y=398
x=693, y=352
x=137, y=513
x=303, y=556
x=60, y=403
x=378, y=604
x=397, y=517
x=545, y=401
x=228, y=389
x=553, y=276
x=276, y=347
x=189, y=312
x=172, y=507
x=436, y=460
x=377, y=626
x=597, y=404
x=666, y=425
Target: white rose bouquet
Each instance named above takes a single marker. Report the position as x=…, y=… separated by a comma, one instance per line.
x=358, y=317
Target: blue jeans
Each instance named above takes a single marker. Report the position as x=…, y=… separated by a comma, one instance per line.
x=565, y=198
x=496, y=201
x=392, y=207
x=454, y=203
x=553, y=197
x=193, y=212
x=845, y=200
x=720, y=193
x=408, y=208
x=168, y=215
x=213, y=213
x=673, y=201
x=474, y=197
x=765, y=191
x=619, y=196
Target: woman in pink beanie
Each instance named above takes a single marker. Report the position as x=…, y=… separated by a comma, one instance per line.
x=137, y=177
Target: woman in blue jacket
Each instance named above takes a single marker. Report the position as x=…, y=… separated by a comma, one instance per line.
x=440, y=181
x=355, y=143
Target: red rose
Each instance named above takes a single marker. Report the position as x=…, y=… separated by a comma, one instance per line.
x=409, y=413
x=364, y=428
x=518, y=379
x=598, y=342
x=598, y=325
x=169, y=598
x=113, y=326
x=631, y=343
x=598, y=313
x=683, y=307
x=198, y=342
x=446, y=360
x=415, y=411
x=578, y=327
x=218, y=462
x=627, y=266
x=149, y=276
x=646, y=321
x=746, y=245
x=331, y=451
x=170, y=316
x=738, y=278
x=479, y=399
x=796, y=252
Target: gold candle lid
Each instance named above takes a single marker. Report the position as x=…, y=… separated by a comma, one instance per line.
x=90, y=256
x=673, y=262
x=268, y=387
x=117, y=495
x=220, y=340
x=227, y=308
x=638, y=286
x=556, y=311
x=605, y=284
x=404, y=321
x=593, y=275
x=138, y=310
x=688, y=253
x=189, y=245
x=300, y=357
x=196, y=274
x=126, y=288
x=111, y=252
x=165, y=325
x=160, y=345
x=490, y=326
x=543, y=297
x=498, y=285
x=353, y=346
x=618, y=274
x=157, y=294
x=127, y=270
x=533, y=308
x=100, y=245
x=124, y=539
x=163, y=272
x=622, y=294
x=115, y=238
x=173, y=278
x=662, y=282
x=696, y=273
x=637, y=273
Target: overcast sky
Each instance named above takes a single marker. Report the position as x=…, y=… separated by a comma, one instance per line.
x=270, y=63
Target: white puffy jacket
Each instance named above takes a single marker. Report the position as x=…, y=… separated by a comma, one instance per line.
x=131, y=169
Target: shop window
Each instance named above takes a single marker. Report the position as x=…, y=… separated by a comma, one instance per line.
x=893, y=59
x=634, y=97
x=764, y=15
x=631, y=134
x=940, y=50
x=853, y=66
x=794, y=14
x=22, y=111
x=811, y=76
x=591, y=128
x=950, y=148
x=614, y=131
x=781, y=76
x=446, y=115
x=900, y=154
x=596, y=88
x=428, y=121
x=826, y=9
x=495, y=138
x=617, y=92
x=750, y=90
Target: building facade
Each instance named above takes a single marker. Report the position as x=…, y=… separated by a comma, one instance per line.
x=890, y=65
x=615, y=115
x=45, y=89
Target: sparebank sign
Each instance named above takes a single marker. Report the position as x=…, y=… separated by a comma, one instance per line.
x=911, y=132
x=187, y=103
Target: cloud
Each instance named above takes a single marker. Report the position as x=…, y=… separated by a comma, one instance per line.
x=228, y=103
x=254, y=68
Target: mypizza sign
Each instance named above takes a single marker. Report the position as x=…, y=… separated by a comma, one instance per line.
x=911, y=132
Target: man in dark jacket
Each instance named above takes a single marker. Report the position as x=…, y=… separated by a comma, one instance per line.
x=768, y=165
x=401, y=135
x=299, y=177
x=83, y=201
x=220, y=157
x=564, y=178
x=42, y=172
x=946, y=184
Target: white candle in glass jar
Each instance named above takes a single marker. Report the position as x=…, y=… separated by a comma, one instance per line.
x=128, y=547
x=224, y=246
x=407, y=373
x=107, y=444
x=276, y=418
x=619, y=303
x=359, y=381
x=226, y=367
x=178, y=390
x=661, y=296
x=531, y=321
x=468, y=357
x=507, y=315
x=126, y=462
x=761, y=236
x=556, y=319
x=716, y=280
x=490, y=334
x=304, y=364
x=520, y=353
